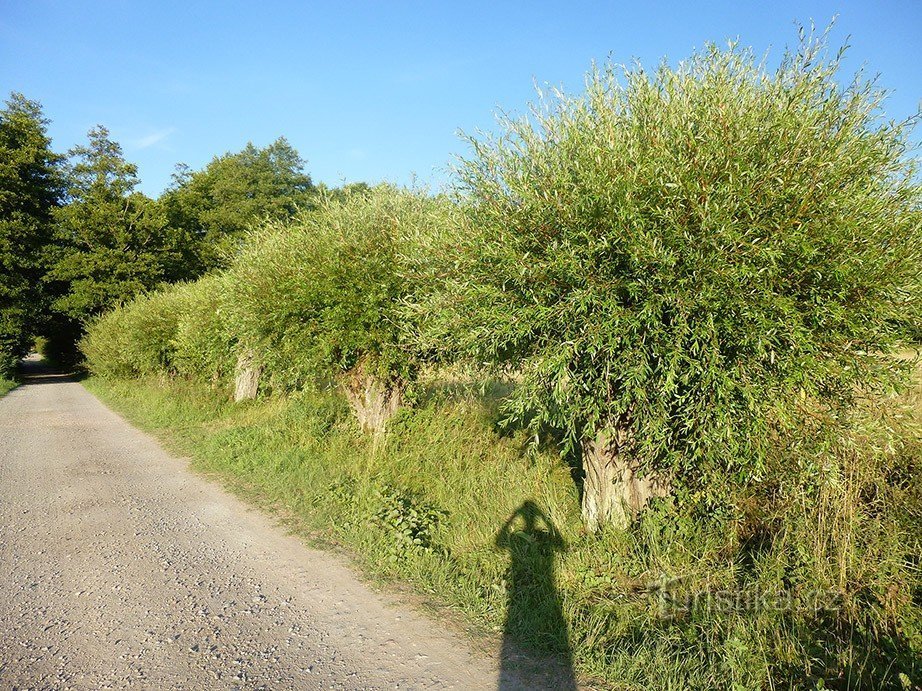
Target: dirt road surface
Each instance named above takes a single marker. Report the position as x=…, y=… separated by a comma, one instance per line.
x=119, y=568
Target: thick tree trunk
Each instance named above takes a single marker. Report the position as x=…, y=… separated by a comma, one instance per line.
x=613, y=491
x=246, y=383
x=372, y=401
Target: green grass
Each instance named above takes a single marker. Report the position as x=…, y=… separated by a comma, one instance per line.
x=429, y=511
x=7, y=385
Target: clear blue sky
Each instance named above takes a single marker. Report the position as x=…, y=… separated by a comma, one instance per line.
x=378, y=90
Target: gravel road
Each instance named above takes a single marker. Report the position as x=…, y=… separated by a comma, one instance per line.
x=120, y=568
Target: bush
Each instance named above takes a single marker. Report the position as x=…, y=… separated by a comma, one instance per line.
x=202, y=347
x=135, y=339
x=682, y=265
x=319, y=301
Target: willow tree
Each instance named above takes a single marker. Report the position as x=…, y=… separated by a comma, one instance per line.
x=671, y=260
x=320, y=300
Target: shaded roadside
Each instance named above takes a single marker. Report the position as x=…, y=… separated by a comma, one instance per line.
x=34, y=369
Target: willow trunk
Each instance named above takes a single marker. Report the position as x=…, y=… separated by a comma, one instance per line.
x=614, y=490
x=246, y=382
x=373, y=401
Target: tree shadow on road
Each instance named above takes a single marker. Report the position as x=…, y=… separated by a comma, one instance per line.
x=35, y=370
x=533, y=611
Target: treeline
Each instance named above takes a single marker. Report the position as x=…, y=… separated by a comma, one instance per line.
x=695, y=280
x=677, y=269
x=77, y=237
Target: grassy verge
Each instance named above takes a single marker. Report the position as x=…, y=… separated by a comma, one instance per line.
x=463, y=513
x=7, y=385
x=426, y=510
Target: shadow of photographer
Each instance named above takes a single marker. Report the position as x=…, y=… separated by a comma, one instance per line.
x=533, y=610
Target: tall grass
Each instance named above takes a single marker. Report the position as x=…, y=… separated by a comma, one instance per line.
x=683, y=599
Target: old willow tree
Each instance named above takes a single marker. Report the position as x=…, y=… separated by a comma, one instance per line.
x=319, y=300
x=673, y=261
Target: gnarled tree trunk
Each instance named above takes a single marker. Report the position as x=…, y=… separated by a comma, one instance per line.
x=372, y=401
x=613, y=491
x=246, y=382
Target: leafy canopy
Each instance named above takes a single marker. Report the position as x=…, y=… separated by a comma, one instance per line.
x=317, y=297
x=691, y=252
x=30, y=189
x=113, y=241
x=217, y=205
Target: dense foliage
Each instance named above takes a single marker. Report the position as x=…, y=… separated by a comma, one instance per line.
x=77, y=237
x=114, y=241
x=179, y=329
x=217, y=205
x=319, y=297
x=702, y=255
x=315, y=302
x=30, y=189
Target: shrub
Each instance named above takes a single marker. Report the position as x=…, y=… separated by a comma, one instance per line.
x=320, y=300
x=682, y=265
x=202, y=346
x=135, y=339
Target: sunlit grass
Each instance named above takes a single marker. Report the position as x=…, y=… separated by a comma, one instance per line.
x=426, y=511
x=7, y=385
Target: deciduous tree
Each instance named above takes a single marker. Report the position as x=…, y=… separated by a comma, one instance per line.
x=675, y=262
x=217, y=205
x=30, y=189
x=114, y=241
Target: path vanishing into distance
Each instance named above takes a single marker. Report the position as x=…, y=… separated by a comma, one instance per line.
x=121, y=568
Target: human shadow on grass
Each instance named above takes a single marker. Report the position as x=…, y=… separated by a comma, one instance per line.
x=533, y=613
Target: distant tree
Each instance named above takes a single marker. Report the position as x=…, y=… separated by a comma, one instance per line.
x=113, y=242
x=30, y=189
x=217, y=205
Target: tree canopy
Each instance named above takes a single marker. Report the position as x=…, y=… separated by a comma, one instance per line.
x=30, y=189
x=218, y=204
x=675, y=262
x=77, y=236
x=113, y=241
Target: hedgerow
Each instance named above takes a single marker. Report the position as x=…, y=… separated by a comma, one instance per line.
x=135, y=339
x=202, y=345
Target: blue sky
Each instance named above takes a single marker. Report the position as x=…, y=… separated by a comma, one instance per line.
x=378, y=90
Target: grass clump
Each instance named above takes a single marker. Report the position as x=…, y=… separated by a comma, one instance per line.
x=7, y=385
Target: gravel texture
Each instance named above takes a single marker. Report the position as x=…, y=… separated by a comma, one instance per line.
x=120, y=568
